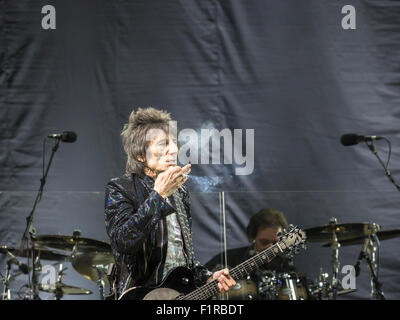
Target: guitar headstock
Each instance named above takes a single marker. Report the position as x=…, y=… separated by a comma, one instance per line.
x=293, y=240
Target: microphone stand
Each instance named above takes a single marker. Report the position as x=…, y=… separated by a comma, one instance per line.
x=387, y=171
x=376, y=286
x=6, y=295
x=29, y=229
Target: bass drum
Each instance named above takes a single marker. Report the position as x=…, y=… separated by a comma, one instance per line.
x=245, y=289
x=283, y=286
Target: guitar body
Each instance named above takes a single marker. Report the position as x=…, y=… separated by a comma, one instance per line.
x=179, y=281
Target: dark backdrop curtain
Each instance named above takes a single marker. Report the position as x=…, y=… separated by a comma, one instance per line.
x=286, y=69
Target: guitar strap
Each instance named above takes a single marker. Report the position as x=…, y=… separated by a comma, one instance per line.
x=182, y=219
x=184, y=223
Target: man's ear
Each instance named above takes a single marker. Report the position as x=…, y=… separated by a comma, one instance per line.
x=141, y=159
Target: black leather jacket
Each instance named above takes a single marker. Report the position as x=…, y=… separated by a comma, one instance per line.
x=135, y=222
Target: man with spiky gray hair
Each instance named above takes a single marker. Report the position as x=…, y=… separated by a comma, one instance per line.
x=147, y=210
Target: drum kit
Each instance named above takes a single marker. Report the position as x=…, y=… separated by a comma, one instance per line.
x=93, y=260
x=272, y=285
x=90, y=258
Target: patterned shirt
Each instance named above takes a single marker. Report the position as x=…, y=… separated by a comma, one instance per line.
x=175, y=254
x=175, y=247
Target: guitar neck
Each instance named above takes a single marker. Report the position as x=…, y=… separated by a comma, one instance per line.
x=238, y=272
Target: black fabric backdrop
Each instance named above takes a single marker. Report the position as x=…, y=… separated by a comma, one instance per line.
x=286, y=69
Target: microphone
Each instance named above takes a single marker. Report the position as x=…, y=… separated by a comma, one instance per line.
x=66, y=136
x=21, y=266
x=351, y=139
x=360, y=257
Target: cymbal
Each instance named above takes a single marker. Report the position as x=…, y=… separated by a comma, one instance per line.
x=62, y=289
x=344, y=231
x=382, y=235
x=68, y=243
x=85, y=264
x=43, y=254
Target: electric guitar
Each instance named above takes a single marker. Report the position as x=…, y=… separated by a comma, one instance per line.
x=179, y=284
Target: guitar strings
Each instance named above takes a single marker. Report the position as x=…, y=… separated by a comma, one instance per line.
x=237, y=272
x=269, y=253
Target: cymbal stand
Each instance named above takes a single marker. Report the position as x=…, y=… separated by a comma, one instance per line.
x=335, y=258
x=58, y=293
x=322, y=289
x=36, y=269
x=370, y=256
x=6, y=295
x=100, y=282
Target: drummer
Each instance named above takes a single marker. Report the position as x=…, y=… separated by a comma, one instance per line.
x=261, y=233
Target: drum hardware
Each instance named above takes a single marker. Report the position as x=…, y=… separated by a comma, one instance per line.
x=342, y=292
x=88, y=264
x=23, y=269
x=322, y=288
x=100, y=281
x=37, y=268
x=323, y=285
x=371, y=257
x=336, y=235
x=289, y=290
x=371, y=243
x=292, y=288
x=32, y=292
x=335, y=258
x=91, y=258
x=75, y=244
x=59, y=289
x=34, y=245
x=245, y=289
x=6, y=295
x=42, y=253
x=251, y=295
x=381, y=235
x=325, y=290
x=267, y=285
x=344, y=232
x=282, y=286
